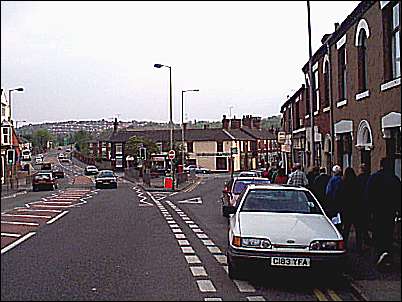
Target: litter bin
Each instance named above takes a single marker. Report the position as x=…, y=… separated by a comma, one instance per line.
x=168, y=183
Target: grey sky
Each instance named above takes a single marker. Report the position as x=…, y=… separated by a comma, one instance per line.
x=93, y=60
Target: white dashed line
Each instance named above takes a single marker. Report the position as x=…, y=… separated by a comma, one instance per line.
x=11, y=235
x=208, y=242
x=212, y=299
x=180, y=236
x=174, y=225
x=183, y=242
x=15, y=243
x=192, y=259
x=20, y=223
x=221, y=259
x=193, y=226
x=244, y=286
x=197, y=231
x=206, y=286
x=177, y=231
x=256, y=298
x=187, y=250
x=198, y=271
x=202, y=236
x=214, y=250
x=57, y=217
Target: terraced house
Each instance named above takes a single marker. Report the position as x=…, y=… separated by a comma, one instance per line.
x=357, y=94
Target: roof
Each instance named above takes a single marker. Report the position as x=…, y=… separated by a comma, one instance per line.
x=292, y=98
x=240, y=135
x=350, y=20
x=259, y=133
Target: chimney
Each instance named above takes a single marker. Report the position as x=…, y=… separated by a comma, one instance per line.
x=256, y=122
x=235, y=123
x=206, y=126
x=246, y=121
x=115, y=124
x=336, y=26
x=225, y=123
x=325, y=38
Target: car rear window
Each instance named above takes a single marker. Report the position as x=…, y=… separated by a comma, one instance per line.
x=280, y=201
x=42, y=176
x=240, y=185
x=106, y=174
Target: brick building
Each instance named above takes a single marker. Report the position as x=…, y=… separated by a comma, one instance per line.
x=356, y=90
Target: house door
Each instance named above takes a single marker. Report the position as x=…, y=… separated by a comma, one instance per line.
x=365, y=158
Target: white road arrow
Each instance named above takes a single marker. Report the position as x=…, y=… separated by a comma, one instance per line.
x=196, y=200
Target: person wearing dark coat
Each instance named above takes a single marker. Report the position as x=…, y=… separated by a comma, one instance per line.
x=349, y=199
x=362, y=179
x=311, y=175
x=383, y=193
x=319, y=186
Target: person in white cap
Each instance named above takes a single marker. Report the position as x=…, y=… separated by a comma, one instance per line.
x=332, y=189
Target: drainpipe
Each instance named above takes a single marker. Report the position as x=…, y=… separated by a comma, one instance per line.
x=331, y=110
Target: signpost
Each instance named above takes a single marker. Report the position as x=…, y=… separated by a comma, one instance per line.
x=172, y=154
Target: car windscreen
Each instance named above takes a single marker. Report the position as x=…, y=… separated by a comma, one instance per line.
x=106, y=174
x=280, y=201
x=240, y=185
x=43, y=176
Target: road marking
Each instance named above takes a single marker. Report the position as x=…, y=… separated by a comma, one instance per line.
x=221, y=259
x=192, y=259
x=15, y=243
x=256, y=298
x=244, y=286
x=193, y=226
x=26, y=216
x=208, y=242
x=57, y=217
x=183, y=242
x=202, y=236
x=214, y=250
x=11, y=235
x=185, y=218
x=51, y=207
x=206, y=286
x=196, y=200
x=212, y=299
x=197, y=231
x=226, y=268
x=187, y=250
x=174, y=225
x=189, y=222
x=20, y=223
x=180, y=236
x=198, y=271
x=58, y=202
x=171, y=222
x=334, y=296
x=319, y=294
x=32, y=210
x=177, y=231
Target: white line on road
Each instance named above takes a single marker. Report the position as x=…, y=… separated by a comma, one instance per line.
x=206, y=286
x=198, y=271
x=192, y=259
x=187, y=250
x=221, y=259
x=57, y=217
x=212, y=299
x=214, y=250
x=183, y=242
x=27, y=216
x=31, y=210
x=244, y=286
x=202, y=236
x=208, y=242
x=180, y=236
x=11, y=235
x=256, y=298
x=15, y=243
x=20, y=223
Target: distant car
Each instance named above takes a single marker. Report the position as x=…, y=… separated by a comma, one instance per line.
x=26, y=155
x=60, y=156
x=44, y=180
x=249, y=174
x=91, y=170
x=277, y=226
x=59, y=148
x=65, y=160
x=196, y=169
x=46, y=166
x=106, y=178
x=235, y=187
x=38, y=160
x=58, y=173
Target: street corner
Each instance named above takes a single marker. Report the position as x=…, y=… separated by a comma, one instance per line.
x=82, y=180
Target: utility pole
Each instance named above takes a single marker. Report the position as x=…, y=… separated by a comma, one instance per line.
x=311, y=86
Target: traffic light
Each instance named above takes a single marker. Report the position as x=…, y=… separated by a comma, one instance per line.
x=143, y=153
x=10, y=156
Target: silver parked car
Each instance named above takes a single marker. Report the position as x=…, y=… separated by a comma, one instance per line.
x=279, y=226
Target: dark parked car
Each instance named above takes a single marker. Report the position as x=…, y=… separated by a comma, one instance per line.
x=44, y=180
x=106, y=178
x=58, y=173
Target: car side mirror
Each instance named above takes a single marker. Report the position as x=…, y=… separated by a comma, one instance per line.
x=228, y=210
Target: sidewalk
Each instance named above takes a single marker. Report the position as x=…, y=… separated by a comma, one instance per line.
x=367, y=282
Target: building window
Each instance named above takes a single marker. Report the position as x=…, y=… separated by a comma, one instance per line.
x=362, y=61
x=392, y=50
x=160, y=147
x=326, y=84
x=345, y=150
x=221, y=163
x=119, y=148
x=393, y=147
x=316, y=101
x=307, y=97
x=219, y=146
x=190, y=147
x=297, y=113
x=396, y=46
x=289, y=120
x=342, y=73
x=6, y=135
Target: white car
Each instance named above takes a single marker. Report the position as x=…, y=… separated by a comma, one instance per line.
x=38, y=160
x=276, y=226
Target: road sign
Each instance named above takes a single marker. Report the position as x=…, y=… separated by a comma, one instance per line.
x=172, y=154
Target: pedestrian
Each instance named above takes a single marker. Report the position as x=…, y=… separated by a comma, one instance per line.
x=265, y=173
x=362, y=179
x=311, y=175
x=331, y=192
x=349, y=199
x=319, y=185
x=383, y=193
x=281, y=177
x=298, y=178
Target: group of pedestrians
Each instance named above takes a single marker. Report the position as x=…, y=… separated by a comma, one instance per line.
x=362, y=200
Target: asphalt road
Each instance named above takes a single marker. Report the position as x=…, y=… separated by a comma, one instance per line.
x=125, y=244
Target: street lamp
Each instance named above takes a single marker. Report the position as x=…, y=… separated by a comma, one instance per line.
x=20, y=89
x=182, y=121
x=170, y=112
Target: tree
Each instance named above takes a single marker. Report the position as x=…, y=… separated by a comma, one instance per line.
x=133, y=145
x=40, y=138
x=80, y=140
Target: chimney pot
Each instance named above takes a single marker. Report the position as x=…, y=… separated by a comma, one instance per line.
x=336, y=25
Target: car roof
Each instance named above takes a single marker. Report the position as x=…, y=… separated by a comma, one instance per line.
x=106, y=171
x=249, y=178
x=277, y=187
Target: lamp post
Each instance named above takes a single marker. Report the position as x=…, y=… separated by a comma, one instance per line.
x=170, y=112
x=20, y=89
x=311, y=86
x=182, y=121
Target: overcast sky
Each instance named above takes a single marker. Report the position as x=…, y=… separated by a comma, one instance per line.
x=94, y=60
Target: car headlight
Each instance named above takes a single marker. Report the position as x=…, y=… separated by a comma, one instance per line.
x=257, y=243
x=327, y=245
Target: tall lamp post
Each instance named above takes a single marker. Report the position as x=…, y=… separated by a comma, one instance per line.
x=311, y=86
x=20, y=89
x=182, y=121
x=170, y=112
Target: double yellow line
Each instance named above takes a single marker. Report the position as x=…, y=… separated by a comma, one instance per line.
x=322, y=297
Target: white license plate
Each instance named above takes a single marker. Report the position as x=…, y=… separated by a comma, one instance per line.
x=283, y=261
